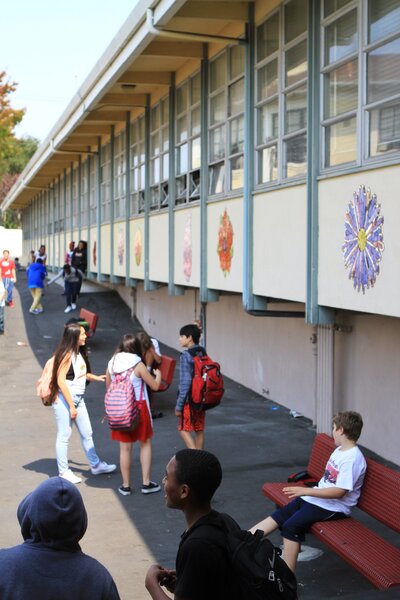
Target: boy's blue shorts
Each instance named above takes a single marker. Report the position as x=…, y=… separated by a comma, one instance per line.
x=296, y=518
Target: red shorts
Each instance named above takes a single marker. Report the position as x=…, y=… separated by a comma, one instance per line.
x=143, y=431
x=193, y=420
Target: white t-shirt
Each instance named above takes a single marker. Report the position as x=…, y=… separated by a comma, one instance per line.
x=77, y=385
x=344, y=469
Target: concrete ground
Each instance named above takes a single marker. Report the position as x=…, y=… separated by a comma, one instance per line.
x=255, y=439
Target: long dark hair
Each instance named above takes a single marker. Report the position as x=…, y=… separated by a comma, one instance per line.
x=129, y=343
x=69, y=345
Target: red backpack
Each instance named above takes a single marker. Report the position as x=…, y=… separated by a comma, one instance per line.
x=207, y=383
x=120, y=403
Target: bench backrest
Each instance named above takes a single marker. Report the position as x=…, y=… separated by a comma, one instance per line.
x=91, y=318
x=380, y=494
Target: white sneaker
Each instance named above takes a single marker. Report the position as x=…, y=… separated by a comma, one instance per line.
x=73, y=306
x=69, y=476
x=68, y=309
x=103, y=467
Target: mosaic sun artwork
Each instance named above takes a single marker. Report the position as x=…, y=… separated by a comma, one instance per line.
x=363, y=245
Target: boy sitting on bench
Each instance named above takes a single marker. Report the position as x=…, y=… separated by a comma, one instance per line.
x=336, y=493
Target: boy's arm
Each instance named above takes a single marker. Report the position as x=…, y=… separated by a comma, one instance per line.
x=298, y=490
x=185, y=380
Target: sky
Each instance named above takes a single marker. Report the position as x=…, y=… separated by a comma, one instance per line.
x=49, y=47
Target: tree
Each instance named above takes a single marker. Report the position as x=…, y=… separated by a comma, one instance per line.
x=14, y=152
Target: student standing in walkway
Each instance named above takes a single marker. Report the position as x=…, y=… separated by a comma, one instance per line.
x=71, y=370
x=36, y=274
x=190, y=421
x=3, y=295
x=72, y=279
x=128, y=358
x=8, y=275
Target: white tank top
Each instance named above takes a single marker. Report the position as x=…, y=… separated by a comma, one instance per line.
x=77, y=385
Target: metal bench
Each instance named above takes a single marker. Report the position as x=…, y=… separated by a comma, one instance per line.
x=91, y=319
x=377, y=559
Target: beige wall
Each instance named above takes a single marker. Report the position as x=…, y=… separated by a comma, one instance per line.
x=280, y=243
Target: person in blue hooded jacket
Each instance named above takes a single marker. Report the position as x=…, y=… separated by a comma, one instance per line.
x=50, y=564
x=36, y=274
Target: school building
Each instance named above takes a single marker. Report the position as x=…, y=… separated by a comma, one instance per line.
x=237, y=161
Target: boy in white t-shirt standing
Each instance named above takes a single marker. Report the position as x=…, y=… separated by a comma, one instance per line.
x=337, y=491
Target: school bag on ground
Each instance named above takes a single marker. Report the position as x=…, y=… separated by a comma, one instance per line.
x=121, y=406
x=43, y=383
x=207, y=383
x=258, y=569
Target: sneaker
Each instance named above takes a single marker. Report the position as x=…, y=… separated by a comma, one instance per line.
x=69, y=476
x=68, y=309
x=73, y=306
x=11, y=304
x=151, y=488
x=34, y=311
x=125, y=491
x=103, y=467
x=39, y=310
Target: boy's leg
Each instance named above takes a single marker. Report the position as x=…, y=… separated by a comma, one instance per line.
x=199, y=440
x=32, y=291
x=187, y=438
x=291, y=551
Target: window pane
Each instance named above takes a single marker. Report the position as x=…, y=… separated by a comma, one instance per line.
x=341, y=89
x=237, y=173
x=182, y=98
x=182, y=162
x=340, y=143
x=155, y=118
x=165, y=166
x=383, y=18
x=267, y=79
x=155, y=170
x=296, y=110
x=165, y=139
x=384, y=71
x=268, y=126
x=295, y=19
x=296, y=156
x=385, y=129
x=155, y=144
x=268, y=164
x=237, y=135
x=217, y=108
x=218, y=73
x=195, y=89
x=196, y=155
x=268, y=37
x=195, y=124
x=236, y=60
x=236, y=98
x=217, y=143
x=332, y=6
x=181, y=129
x=341, y=38
x=217, y=179
x=296, y=63
x=164, y=111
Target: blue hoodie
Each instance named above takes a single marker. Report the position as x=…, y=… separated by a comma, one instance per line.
x=50, y=565
x=36, y=273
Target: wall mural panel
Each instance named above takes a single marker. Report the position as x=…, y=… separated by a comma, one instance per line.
x=363, y=245
x=225, y=243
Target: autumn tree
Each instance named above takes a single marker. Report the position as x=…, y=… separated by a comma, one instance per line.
x=14, y=152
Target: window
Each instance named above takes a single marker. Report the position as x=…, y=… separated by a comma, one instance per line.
x=361, y=81
x=187, y=141
x=281, y=94
x=62, y=205
x=119, y=176
x=84, y=194
x=105, y=178
x=159, y=155
x=68, y=208
x=75, y=207
x=92, y=190
x=226, y=116
x=137, y=166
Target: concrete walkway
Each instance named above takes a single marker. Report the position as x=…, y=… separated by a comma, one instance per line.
x=255, y=439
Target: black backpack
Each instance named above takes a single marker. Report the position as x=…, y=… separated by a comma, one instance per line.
x=258, y=569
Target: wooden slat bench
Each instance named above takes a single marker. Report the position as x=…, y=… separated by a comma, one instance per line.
x=91, y=319
x=377, y=559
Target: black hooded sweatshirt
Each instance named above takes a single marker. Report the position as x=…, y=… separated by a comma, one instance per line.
x=50, y=564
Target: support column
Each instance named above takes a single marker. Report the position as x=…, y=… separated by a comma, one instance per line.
x=324, y=379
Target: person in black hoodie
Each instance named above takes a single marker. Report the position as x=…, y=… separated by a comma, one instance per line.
x=49, y=563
